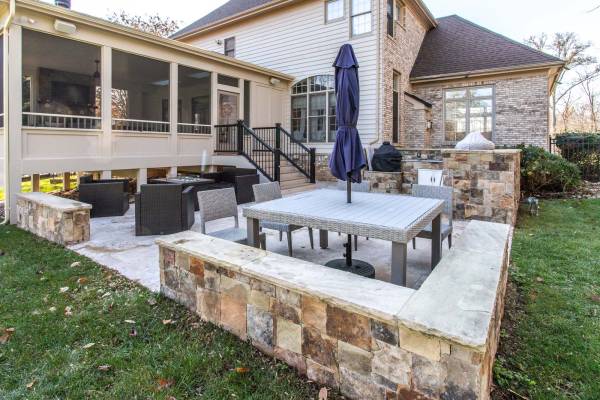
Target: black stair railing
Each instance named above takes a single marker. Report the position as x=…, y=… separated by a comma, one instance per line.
x=265, y=147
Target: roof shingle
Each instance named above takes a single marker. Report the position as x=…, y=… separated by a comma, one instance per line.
x=229, y=9
x=459, y=46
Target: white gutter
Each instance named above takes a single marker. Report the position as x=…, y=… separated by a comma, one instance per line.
x=7, y=191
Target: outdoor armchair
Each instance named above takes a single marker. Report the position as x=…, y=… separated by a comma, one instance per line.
x=271, y=191
x=107, y=197
x=163, y=209
x=442, y=193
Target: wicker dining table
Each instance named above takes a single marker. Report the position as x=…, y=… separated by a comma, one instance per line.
x=394, y=218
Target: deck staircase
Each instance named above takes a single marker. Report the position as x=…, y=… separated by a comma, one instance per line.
x=273, y=151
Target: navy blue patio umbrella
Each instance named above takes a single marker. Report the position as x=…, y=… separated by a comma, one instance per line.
x=348, y=157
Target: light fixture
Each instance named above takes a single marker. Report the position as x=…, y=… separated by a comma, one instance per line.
x=65, y=27
x=219, y=42
x=274, y=81
x=96, y=75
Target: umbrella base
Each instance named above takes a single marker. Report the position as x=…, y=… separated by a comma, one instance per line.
x=358, y=267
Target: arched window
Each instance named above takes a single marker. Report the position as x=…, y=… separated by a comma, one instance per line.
x=313, y=109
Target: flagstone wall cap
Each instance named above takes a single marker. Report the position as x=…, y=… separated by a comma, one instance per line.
x=376, y=299
x=458, y=300
x=54, y=202
x=496, y=151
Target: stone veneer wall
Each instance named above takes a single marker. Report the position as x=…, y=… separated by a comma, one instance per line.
x=56, y=219
x=521, y=116
x=381, y=342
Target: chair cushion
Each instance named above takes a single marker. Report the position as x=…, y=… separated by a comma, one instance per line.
x=427, y=231
x=277, y=226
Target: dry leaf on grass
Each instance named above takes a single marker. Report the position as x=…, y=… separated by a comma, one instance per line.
x=52, y=309
x=89, y=345
x=168, y=322
x=29, y=386
x=323, y=394
x=103, y=368
x=8, y=332
x=152, y=301
x=539, y=279
x=164, y=383
x=68, y=311
x=75, y=264
x=595, y=298
x=82, y=281
x=64, y=289
x=129, y=321
x=242, y=370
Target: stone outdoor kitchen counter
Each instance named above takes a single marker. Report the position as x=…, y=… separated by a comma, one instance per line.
x=368, y=338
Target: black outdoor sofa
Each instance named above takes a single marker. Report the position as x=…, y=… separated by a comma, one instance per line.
x=163, y=209
x=241, y=179
x=108, y=197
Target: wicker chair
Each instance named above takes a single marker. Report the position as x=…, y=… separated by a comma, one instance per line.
x=271, y=191
x=442, y=193
x=163, y=209
x=364, y=186
x=108, y=197
x=241, y=179
x=218, y=204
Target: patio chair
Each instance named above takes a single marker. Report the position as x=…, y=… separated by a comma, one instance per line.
x=241, y=179
x=108, y=197
x=364, y=186
x=163, y=209
x=219, y=204
x=272, y=191
x=429, y=177
x=442, y=193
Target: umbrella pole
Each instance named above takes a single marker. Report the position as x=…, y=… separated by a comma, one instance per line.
x=349, y=188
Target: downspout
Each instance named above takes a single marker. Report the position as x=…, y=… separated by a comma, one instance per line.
x=379, y=74
x=7, y=191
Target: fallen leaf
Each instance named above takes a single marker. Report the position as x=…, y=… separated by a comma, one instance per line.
x=8, y=332
x=52, y=309
x=323, y=394
x=152, y=301
x=64, y=289
x=171, y=398
x=168, y=322
x=242, y=370
x=105, y=295
x=75, y=264
x=89, y=345
x=68, y=311
x=164, y=383
x=539, y=279
x=595, y=298
x=133, y=332
x=129, y=321
x=103, y=368
x=82, y=281
x=30, y=385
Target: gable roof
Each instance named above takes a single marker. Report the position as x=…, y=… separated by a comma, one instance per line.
x=240, y=8
x=229, y=9
x=458, y=46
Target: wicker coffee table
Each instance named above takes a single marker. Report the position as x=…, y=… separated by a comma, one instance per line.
x=395, y=218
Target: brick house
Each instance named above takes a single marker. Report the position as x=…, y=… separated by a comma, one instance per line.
x=425, y=82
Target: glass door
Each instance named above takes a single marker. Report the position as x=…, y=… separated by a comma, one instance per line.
x=228, y=115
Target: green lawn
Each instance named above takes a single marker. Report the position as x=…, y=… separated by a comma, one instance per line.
x=550, y=345
x=112, y=343
x=45, y=186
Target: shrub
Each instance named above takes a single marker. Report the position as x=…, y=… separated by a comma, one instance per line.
x=583, y=149
x=542, y=171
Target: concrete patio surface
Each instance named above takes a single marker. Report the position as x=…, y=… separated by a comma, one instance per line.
x=113, y=244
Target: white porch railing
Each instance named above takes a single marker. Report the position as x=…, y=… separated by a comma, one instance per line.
x=139, y=125
x=195, y=129
x=60, y=121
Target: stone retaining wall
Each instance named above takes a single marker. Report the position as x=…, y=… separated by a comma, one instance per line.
x=380, y=342
x=54, y=218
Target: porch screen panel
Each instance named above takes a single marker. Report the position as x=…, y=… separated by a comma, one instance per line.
x=140, y=93
x=194, y=89
x=61, y=82
x=1, y=81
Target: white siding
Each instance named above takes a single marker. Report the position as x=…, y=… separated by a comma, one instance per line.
x=297, y=41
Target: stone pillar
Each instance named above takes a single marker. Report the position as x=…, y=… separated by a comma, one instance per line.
x=35, y=182
x=142, y=177
x=66, y=181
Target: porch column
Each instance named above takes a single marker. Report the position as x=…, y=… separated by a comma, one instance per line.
x=106, y=174
x=172, y=173
x=174, y=107
x=141, y=178
x=106, y=102
x=13, y=122
x=214, y=112
x=66, y=181
x=35, y=182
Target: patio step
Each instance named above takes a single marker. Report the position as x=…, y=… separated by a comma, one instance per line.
x=298, y=189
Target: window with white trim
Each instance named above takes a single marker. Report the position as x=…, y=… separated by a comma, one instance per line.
x=313, y=109
x=334, y=9
x=468, y=110
x=361, y=23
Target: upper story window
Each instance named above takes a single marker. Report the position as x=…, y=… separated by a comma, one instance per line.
x=313, y=109
x=396, y=14
x=230, y=47
x=361, y=17
x=334, y=9
x=468, y=110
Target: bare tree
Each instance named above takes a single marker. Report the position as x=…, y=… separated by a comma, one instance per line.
x=154, y=24
x=568, y=47
x=593, y=102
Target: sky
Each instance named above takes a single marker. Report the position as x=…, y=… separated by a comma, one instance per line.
x=517, y=19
